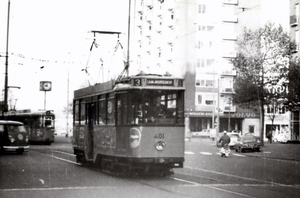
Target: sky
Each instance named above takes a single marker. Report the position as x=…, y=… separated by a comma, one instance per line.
x=49, y=40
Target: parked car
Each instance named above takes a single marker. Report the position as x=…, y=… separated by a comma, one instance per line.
x=234, y=138
x=248, y=142
x=13, y=137
x=281, y=137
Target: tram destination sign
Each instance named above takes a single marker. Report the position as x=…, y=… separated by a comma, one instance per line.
x=160, y=82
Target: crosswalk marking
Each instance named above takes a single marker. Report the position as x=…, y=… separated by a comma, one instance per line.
x=239, y=155
x=209, y=153
x=205, y=153
x=189, y=153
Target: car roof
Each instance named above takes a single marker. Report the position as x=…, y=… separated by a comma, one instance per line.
x=10, y=122
x=233, y=134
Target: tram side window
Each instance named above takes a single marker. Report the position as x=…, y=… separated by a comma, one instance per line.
x=82, y=113
x=122, y=109
x=76, y=112
x=110, y=110
x=102, y=110
x=180, y=107
x=131, y=110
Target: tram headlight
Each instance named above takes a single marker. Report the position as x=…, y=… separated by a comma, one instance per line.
x=160, y=145
x=26, y=139
x=12, y=139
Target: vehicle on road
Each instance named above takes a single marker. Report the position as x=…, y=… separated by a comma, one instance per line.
x=13, y=137
x=225, y=151
x=135, y=124
x=234, y=138
x=281, y=137
x=248, y=142
x=40, y=125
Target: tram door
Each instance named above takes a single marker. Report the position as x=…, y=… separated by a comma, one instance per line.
x=91, y=119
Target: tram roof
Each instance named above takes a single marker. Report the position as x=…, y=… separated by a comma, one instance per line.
x=146, y=82
x=10, y=122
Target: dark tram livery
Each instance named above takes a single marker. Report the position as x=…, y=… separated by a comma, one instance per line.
x=136, y=124
x=40, y=125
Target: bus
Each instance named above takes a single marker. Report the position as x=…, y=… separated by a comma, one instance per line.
x=40, y=125
x=13, y=137
x=136, y=124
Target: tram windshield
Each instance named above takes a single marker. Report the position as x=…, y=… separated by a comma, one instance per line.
x=157, y=106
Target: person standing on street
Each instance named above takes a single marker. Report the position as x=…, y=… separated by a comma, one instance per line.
x=269, y=136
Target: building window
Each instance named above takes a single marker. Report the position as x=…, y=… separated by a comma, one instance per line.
x=200, y=83
x=201, y=8
x=251, y=128
x=210, y=83
x=199, y=100
x=205, y=62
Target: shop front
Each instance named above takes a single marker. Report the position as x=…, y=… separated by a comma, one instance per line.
x=201, y=124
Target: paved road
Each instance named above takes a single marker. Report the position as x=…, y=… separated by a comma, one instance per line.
x=273, y=151
x=51, y=171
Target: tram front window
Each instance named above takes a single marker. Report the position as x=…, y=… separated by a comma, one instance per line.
x=156, y=106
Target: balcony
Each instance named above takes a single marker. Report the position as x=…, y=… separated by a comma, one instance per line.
x=149, y=3
x=230, y=109
x=294, y=20
x=232, y=54
x=230, y=2
x=230, y=19
x=230, y=37
x=227, y=91
x=228, y=73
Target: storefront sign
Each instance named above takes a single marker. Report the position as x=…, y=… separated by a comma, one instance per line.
x=232, y=115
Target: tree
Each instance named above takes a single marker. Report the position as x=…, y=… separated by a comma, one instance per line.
x=262, y=65
x=69, y=109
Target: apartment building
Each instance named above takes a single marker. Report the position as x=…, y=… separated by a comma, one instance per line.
x=196, y=39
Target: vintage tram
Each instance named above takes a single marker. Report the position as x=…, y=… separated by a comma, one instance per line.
x=40, y=125
x=134, y=125
x=13, y=137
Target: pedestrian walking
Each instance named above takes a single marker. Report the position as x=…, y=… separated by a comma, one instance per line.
x=269, y=136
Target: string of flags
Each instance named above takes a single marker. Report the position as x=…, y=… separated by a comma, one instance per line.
x=39, y=59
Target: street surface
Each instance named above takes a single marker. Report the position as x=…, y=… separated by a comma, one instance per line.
x=52, y=171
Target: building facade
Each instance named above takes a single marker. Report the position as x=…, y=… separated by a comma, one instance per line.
x=295, y=36
x=196, y=39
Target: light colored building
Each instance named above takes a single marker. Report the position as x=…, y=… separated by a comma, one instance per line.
x=196, y=39
x=295, y=36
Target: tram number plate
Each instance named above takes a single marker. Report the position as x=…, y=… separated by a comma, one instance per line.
x=159, y=136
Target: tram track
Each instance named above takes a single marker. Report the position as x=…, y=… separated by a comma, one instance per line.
x=180, y=178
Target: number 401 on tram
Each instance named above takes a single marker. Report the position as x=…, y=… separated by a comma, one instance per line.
x=136, y=124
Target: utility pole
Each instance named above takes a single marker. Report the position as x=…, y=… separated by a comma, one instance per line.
x=6, y=65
